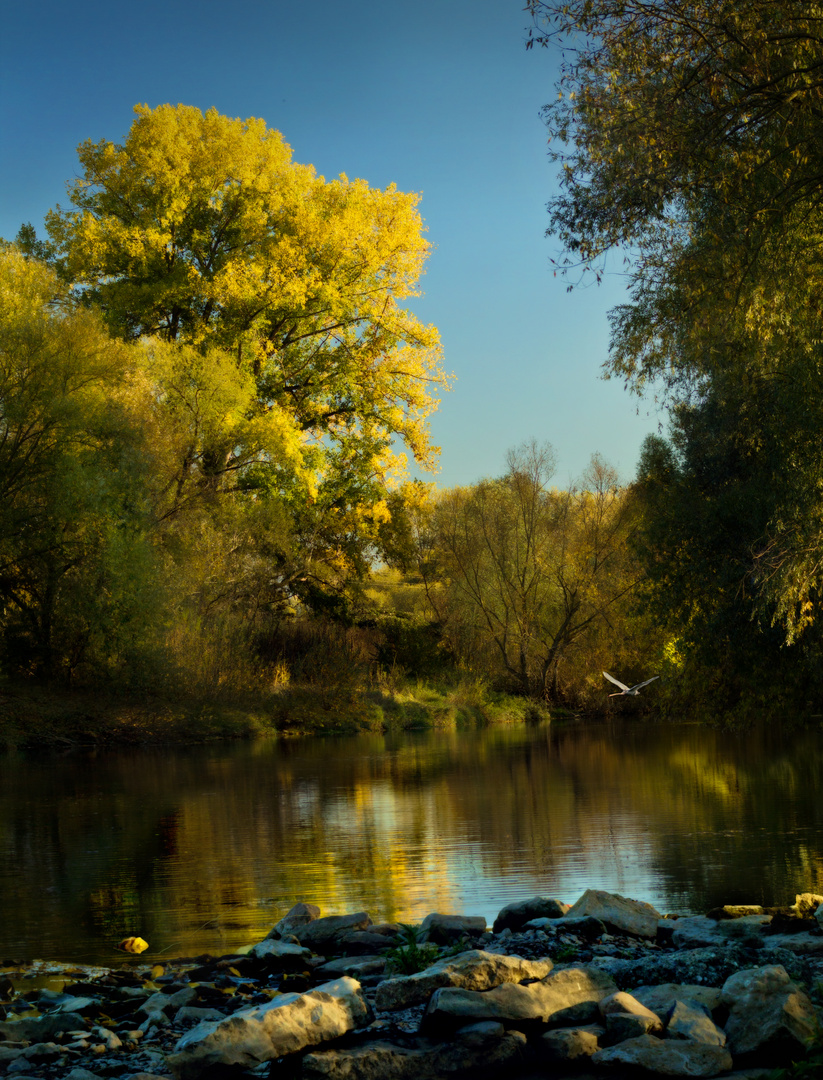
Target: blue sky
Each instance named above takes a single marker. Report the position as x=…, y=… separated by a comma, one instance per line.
x=438, y=96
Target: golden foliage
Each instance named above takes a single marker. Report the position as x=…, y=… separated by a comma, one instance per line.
x=201, y=228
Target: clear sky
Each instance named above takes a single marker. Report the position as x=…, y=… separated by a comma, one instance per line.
x=437, y=96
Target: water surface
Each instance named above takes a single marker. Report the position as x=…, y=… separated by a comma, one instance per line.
x=203, y=849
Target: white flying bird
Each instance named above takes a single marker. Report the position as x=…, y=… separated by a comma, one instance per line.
x=631, y=690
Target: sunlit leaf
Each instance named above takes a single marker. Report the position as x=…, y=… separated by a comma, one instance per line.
x=134, y=945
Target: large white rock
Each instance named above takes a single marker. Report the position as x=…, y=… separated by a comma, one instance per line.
x=617, y=912
x=668, y=1057
x=768, y=1013
x=471, y=970
x=569, y=996
x=287, y=1024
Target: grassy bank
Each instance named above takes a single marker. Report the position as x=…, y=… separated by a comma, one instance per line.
x=32, y=716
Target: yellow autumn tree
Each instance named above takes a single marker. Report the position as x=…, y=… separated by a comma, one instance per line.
x=200, y=228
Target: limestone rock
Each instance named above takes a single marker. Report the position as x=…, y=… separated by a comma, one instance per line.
x=807, y=904
x=471, y=970
x=474, y=1048
x=323, y=934
x=356, y=966
x=445, y=929
x=49, y=1001
x=618, y=913
x=157, y=1008
x=565, y=997
x=623, y=1026
x=622, y=1002
x=803, y=942
x=583, y=926
x=39, y=1052
x=669, y=1057
x=282, y=953
x=39, y=1028
x=362, y=942
x=696, y=932
x=691, y=1020
x=287, y=1024
x=192, y=1013
x=660, y=998
x=570, y=1044
x=700, y=931
x=294, y=919
x=768, y=1014
x=735, y=911
x=514, y=916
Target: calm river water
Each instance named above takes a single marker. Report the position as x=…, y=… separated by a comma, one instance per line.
x=203, y=849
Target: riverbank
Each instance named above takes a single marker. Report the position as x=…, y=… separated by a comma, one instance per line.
x=608, y=985
x=42, y=716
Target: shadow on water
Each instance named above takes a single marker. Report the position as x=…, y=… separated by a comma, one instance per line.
x=203, y=849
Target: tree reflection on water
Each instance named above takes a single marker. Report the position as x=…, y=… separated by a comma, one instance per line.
x=203, y=849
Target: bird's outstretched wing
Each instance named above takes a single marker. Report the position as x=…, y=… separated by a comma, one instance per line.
x=641, y=684
x=617, y=682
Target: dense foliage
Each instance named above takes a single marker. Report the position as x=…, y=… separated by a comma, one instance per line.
x=689, y=137
x=209, y=387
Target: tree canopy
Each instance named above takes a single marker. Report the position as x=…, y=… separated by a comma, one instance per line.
x=200, y=228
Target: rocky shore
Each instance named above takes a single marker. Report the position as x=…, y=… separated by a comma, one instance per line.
x=605, y=988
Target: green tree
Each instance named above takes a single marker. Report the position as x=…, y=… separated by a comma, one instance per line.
x=689, y=136
x=75, y=562
x=706, y=505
